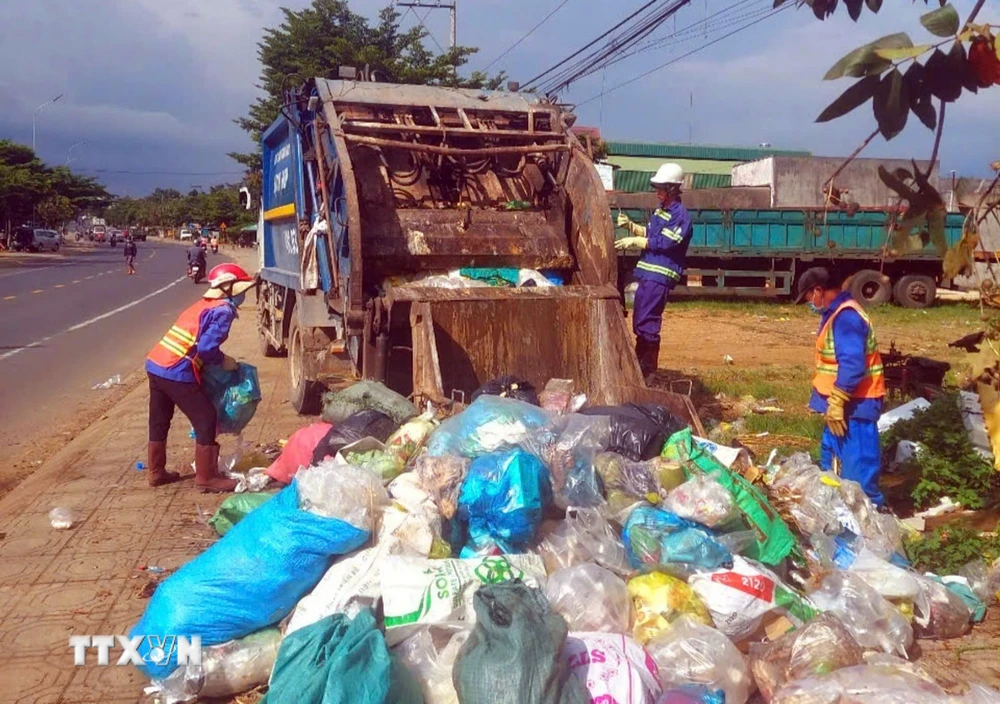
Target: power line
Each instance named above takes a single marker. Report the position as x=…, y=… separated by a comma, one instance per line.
x=684, y=56
x=525, y=36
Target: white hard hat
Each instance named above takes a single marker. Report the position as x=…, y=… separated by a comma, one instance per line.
x=668, y=174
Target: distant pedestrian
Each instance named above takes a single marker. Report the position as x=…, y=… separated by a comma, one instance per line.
x=130, y=253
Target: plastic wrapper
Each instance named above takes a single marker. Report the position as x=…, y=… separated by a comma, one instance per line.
x=983, y=579
x=382, y=462
x=489, y=424
x=62, y=518
x=502, y=500
x=692, y=653
x=363, y=424
x=703, y=500
x=349, y=493
x=509, y=386
x=613, y=668
x=820, y=647
x=807, y=497
x=417, y=593
x=430, y=656
x=863, y=684
x=583, y=537
x=692, y=694
x=979, y=694
x=947, y=616
x=742, y=599
x=366, y=395
x=960, y=587
x=442, y=478
x=638, y=431
x=567, y=446
x=892, y=582
x=235, y=395
x=557, y=396
x=226, y=669
x=658, y=600
x=628, y=484
x=880, y=531
x=297, y=452
x=590, y=598
x=234, y=509
x=656, y=538
x=411, y=436
x=872, y=620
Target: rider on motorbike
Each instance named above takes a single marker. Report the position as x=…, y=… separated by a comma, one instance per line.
x=196, y=255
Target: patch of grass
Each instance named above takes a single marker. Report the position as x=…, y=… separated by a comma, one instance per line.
x=947, y=548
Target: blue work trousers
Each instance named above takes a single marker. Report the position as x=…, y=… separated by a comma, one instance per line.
x=860, y=455
x=647, y=311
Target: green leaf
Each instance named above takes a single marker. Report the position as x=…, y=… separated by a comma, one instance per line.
x=891, y=105
x=858, y=94
x=874, y=5
x=942, y=22
x=910, y=52
x=863, y=61
x=943, y=76
x=854, y=8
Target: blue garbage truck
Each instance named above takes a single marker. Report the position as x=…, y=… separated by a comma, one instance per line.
x=377, y=198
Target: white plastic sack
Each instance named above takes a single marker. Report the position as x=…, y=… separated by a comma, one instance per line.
x=417, y=592
x=613, y=668
x=352, y=494
x=590, y=598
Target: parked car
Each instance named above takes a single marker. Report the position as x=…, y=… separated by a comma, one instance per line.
x=138, y=235
x=186, y=234
x=36, y=240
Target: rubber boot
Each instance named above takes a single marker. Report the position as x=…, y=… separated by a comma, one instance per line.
x=648, y=354
x=206, y=471
x=156, y=465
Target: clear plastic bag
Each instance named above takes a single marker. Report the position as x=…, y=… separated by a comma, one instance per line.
x=567, y=446
x=806, y=497
x=411, y=436
x=584, y=536
x=692, y=653
x=692, y=694
x=703, y=500
x=947, y=615
x=590, y=598
x=489, y=424
x=983, y=579
x=557, y=396
x=821, y=646
x=430, y=656
x=226, y=669
x=442, y=478
x=658, y=538
x=628, y=483
x=613, y=668
x=62, y=518
x=659, y=599
x=862, y=684
x=872, y=620
x=350, y=493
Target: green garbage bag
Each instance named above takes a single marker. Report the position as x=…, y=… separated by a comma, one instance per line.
x=339, y=660
x=235, y=508
x=514, y=653
x=774, y=541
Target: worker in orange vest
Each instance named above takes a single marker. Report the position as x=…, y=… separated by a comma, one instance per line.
x=849, y=383
x=173, y=368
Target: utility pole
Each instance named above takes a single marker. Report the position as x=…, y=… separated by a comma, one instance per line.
x=34, y=115
x=452, y=11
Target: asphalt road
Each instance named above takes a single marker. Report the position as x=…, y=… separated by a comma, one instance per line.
x=73, y=319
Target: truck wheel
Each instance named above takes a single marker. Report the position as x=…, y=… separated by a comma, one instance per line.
x=305, y=394
x=915, y=291
x=870, y=288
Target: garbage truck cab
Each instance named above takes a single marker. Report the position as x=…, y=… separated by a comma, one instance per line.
x=375, y=197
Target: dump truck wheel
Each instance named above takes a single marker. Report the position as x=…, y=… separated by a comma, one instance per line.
x=305, y=394
x=870, y=288
x=915, y=291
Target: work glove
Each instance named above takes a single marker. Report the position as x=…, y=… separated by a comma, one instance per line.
x=835, y=419
x=228, y=363
x=631, y=243
x=623, y=220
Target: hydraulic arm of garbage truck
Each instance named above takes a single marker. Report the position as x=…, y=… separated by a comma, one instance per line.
x=416, y=182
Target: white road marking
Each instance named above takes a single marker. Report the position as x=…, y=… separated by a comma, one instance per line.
x=87, y=323
x=26, y=271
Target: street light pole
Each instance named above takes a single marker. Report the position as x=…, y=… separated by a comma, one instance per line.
x=35, y=114
x=69, y=153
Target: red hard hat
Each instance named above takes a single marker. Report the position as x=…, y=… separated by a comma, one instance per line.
x=228, y=280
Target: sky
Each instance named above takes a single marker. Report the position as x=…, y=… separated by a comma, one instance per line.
x=152, y=87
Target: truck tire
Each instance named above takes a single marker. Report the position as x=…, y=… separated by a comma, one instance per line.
x=915, y=291
x=870, y=288
x=304, y=394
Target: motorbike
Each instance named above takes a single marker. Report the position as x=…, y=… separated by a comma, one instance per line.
x=197, y=272
x=215, y=248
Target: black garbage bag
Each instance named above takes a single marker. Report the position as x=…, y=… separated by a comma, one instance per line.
x=638, y=431
x=514, y=653
x=509, y=386
x=363, y=424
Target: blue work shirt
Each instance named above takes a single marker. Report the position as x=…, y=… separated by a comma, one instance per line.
x=668, y=236
x=850, y=338
x=213, y=329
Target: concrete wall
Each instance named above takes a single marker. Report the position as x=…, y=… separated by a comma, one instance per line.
x=797, y=182
x=693, y=166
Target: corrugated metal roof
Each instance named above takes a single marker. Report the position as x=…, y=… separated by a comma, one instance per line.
x=697, y=151
x=638, y=181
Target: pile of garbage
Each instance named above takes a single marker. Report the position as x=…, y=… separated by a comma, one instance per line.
x=532, y=549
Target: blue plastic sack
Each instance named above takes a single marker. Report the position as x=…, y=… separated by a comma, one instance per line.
x=658, y=538
x=249, y=579
x=489, y=424
x=234, y=394
x=502, y=500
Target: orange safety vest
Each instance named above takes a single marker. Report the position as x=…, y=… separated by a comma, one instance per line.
x=873, y=384
x=181, y=340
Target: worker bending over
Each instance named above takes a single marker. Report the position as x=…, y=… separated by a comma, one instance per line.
x=664, y=244
x=849, y=384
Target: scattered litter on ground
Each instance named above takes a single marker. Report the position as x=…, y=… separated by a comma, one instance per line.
x=62, y=518
x=116, y=380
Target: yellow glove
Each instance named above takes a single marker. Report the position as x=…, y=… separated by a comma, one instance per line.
x=634, y=228
x=835, y=420
x=631, y=243
x=623, y=220
x=228, y=363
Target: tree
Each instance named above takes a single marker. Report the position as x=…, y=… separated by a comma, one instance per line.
x=55, y=210
x=317, y=40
